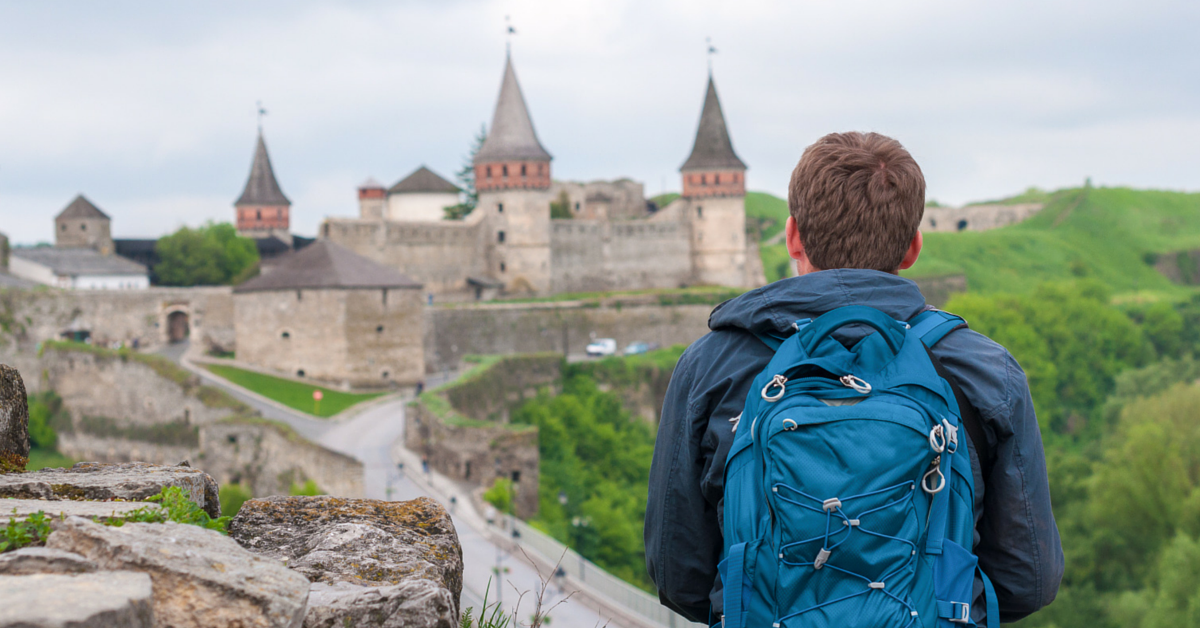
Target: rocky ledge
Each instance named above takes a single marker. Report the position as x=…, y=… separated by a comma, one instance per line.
x=372, y=563
x=292, y=561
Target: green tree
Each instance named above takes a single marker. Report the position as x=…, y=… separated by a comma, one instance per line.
x=232, y=496
x=207, y=256
x=561, y=208
x=466, y=180
x=500, y=495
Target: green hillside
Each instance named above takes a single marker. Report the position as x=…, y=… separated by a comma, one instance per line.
x=1110, y=234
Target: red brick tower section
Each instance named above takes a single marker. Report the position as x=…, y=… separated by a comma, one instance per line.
x=262, y=209
x=511, y=157
x=713, y=169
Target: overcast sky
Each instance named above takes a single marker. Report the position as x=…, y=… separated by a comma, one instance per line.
x=148, y=108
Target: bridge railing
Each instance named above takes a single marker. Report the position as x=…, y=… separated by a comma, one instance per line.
x=619, y=593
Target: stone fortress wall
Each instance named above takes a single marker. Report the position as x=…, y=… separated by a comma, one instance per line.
x=125, y=316
x=442, y=254
x=599, y=255
x=976, y=217
x=144, y=408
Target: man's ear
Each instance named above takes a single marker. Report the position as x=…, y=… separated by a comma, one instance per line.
x=913, y=252
x=795, y=247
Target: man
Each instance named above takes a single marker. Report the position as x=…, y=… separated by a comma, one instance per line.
x=856, y=202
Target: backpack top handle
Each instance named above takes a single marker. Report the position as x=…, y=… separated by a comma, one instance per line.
x=892, y=330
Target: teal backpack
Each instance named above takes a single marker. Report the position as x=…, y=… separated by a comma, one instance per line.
x=849, y=497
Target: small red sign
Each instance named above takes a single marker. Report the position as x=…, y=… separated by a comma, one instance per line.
x=317, y=395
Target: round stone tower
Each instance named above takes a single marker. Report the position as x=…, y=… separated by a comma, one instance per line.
x=714, y=191
x=512, y=177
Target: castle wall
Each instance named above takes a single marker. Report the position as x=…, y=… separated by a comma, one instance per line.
x=976, y=217
x=452, y=332
x=628, y=197
x=590, y=256
x=441, y=255
x=268, y=458
x=478, y=453
x=109, y=317
x=354, y=337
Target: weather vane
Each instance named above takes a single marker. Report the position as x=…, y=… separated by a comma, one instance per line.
x=261, y=112
x=509, y=32
x=711, y=51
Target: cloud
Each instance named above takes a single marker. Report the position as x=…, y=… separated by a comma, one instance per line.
x=150, y=109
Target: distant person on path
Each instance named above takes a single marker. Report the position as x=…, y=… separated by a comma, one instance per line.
x=425, y=465
x=856, y=202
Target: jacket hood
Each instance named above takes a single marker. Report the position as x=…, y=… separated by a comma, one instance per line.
x=775, y=306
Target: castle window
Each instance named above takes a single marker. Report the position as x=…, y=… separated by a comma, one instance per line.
x=539, y=168
x=516, y=477
x=83, y=226
x=379, y=329
x=64, y=227
x=962, y=225
x=576, y=205
x=504, y=170
x=703, y=179
x=503, y=267
x=489, y=172
x=500, y=237
x=279, y=213
x=699, y=211
x=258, y=214
x=285, y=335
x=386, y=374
x=716, y=179
x=300, y=373
x=500, y=208
x=522, y=170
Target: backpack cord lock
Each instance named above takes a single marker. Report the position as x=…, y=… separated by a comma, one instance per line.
x=822, y=558
x=937, y=438
x=857, y=383
x=779, y=381
x=941, y=479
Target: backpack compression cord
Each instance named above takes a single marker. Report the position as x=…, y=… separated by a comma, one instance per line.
x=845, y=504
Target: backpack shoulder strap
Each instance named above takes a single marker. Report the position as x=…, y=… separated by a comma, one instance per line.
x=931, y=326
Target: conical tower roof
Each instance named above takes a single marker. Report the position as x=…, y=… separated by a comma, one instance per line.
x=511, y=136
x=262, y=188
x=713, y=149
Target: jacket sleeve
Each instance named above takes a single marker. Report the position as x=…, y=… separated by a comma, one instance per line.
x=1019, y=546
x=683, y=540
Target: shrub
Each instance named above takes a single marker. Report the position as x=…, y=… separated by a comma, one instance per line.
x=500, y=495
x=232, y=498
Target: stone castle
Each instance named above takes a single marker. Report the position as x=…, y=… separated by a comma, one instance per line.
x=613, y=238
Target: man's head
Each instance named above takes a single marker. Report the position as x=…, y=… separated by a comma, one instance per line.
x=856, y=201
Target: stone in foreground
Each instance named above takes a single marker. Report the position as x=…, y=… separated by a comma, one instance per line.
x=373, y=563
x=97, y=600
x=201, y=577
x=124, y=481
x=22, y=508
x=14, y=421
x=32, y=560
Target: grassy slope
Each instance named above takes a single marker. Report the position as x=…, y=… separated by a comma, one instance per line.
x=290, y=393
x=1105, y=233
x=47, y=458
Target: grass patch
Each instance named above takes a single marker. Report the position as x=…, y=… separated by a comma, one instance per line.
x=766, y=215
x=296, y=395
x=1109, y=234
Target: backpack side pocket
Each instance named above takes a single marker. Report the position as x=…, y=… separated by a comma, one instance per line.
x=953, y=585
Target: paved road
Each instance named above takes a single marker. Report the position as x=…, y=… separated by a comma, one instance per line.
x=368, y=437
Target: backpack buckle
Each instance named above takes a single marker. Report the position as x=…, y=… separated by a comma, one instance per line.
x=951, y=434
x=965, y=617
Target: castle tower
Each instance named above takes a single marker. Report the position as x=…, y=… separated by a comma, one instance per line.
x=372, y=199
x=262, y=209
x=81, y=225
x=714, y=191
x=512, y=176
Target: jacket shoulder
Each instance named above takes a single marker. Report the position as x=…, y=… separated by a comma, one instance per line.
x=987, y=372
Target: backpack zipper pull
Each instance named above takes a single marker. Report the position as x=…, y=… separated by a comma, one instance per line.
x=735, y=420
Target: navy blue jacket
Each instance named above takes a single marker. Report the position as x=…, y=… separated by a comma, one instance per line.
x=1016, y=538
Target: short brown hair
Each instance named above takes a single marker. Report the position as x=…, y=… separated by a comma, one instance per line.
x=857, y=199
